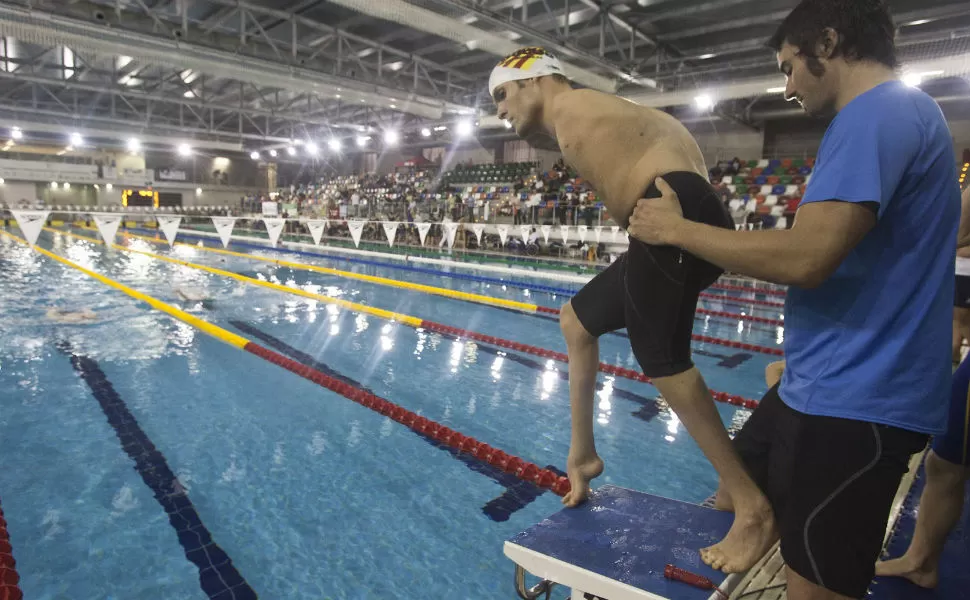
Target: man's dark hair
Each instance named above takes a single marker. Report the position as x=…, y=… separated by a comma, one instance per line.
x=864, y=27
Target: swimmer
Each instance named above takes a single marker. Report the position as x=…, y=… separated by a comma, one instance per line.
x=628, y=152
x=961, y=300
x=71, y=317
x=194, y=295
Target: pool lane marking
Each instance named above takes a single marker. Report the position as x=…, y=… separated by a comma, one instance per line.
x=217, y=574
x=432, y=325
x=509, y=463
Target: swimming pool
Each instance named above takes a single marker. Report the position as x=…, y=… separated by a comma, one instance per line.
x=307, y=494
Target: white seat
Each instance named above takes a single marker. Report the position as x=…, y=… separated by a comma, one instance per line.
x=763, y=162
x=727, y=179
x=733, y=188
x=781, y=223
x=751, y=206
x=791, y=190
x=771, y=200
x=736, y=205
x=766, y=189
x=778, y=210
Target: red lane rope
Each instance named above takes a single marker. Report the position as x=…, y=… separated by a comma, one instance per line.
x=744, y=288
x=9, y=580
x=603, y=367
x=733, y=300
x=526, y=471
x=700, y=311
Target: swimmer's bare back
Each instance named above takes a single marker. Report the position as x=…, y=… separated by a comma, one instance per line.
x=621, y=147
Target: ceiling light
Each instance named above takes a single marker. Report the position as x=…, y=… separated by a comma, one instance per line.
x=254, y=155
x=706, y=56
x=312, y=148
x=273, y=153
x=134, y=145
x=464, y=128
x=109, y=187
x=67, y=186
x=336, y=95
x=76, y=139
x=53, y=185
x=704, y=102
x=188, y=94
x=919, y=22
x=16, y=133
x=508, y=124
x=185, y=150
x=394, y=106
x=441, y=128
x=291, y=150
x=362, y=141
x=335, y=144
x=390, y=137
x=426, y=132
x=198, y=191
x=913, y=79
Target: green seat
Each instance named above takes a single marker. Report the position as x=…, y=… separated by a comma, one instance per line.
x=738, y=180
x=786, y=179
x=752, y=164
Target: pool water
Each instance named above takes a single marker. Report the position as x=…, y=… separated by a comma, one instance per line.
x=308, y=494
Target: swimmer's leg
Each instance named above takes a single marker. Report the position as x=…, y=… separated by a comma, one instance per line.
x=961, y=331
x=583, y=463
x=939, y=510
x=754, y=530
x=593, y=311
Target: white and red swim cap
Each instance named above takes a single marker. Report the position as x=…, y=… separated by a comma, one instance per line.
x=524, y=63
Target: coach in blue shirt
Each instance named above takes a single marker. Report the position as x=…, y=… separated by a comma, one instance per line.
x=870, y=262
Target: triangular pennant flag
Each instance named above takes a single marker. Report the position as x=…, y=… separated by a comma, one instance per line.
x=317, y=228
x=274, y=227
x=546, y=230
x=597, y=233
x=582, y=233
x=356, y=229
x=479, y=229
x=524, y=231
x=224, y=227
x=615, y=230
x=423, y=229
x=170, y=227
x=108, y=227
x=450, y=230
x=31, y=222
x=564, y=232
x=503, y=233
x=390, y=230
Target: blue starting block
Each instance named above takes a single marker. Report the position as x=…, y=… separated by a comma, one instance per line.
x=617, y=545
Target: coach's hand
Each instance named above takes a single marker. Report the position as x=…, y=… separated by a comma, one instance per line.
x=655, y=220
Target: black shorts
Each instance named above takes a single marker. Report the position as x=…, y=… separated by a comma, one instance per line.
x=961, y=296
x=831, y=483
x=652, y=290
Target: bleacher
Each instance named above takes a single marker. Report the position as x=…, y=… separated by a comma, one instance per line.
x=771, y=186
x=494, y=173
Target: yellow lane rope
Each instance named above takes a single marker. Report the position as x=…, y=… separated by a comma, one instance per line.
x=213, y=330
x=377, y=312
x=427, y=289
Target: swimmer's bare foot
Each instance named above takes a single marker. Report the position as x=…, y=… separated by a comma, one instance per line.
x=919, y=572
x=581, y=471
x=750, y=537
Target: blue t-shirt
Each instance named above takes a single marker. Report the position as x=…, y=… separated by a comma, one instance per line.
x=872, y=342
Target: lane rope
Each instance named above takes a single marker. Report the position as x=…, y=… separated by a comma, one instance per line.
x=478, y=298
x=431, y=325
x=526, y=471
x=557, y=291
x=9, y=579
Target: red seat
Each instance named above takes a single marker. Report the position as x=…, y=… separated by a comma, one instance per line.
x=786, y=162
x=760, y=198
x=757, y=171
x=774, y=180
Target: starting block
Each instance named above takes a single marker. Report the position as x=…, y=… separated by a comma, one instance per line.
x=617, y=545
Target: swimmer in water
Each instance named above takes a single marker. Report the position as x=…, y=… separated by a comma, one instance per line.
x=194, y=295
x=67, y=316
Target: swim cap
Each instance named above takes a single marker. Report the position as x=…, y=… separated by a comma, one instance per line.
x=524, y=63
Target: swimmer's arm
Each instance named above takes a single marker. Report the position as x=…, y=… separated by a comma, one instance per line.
x=773, y=372
x=806, y=255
